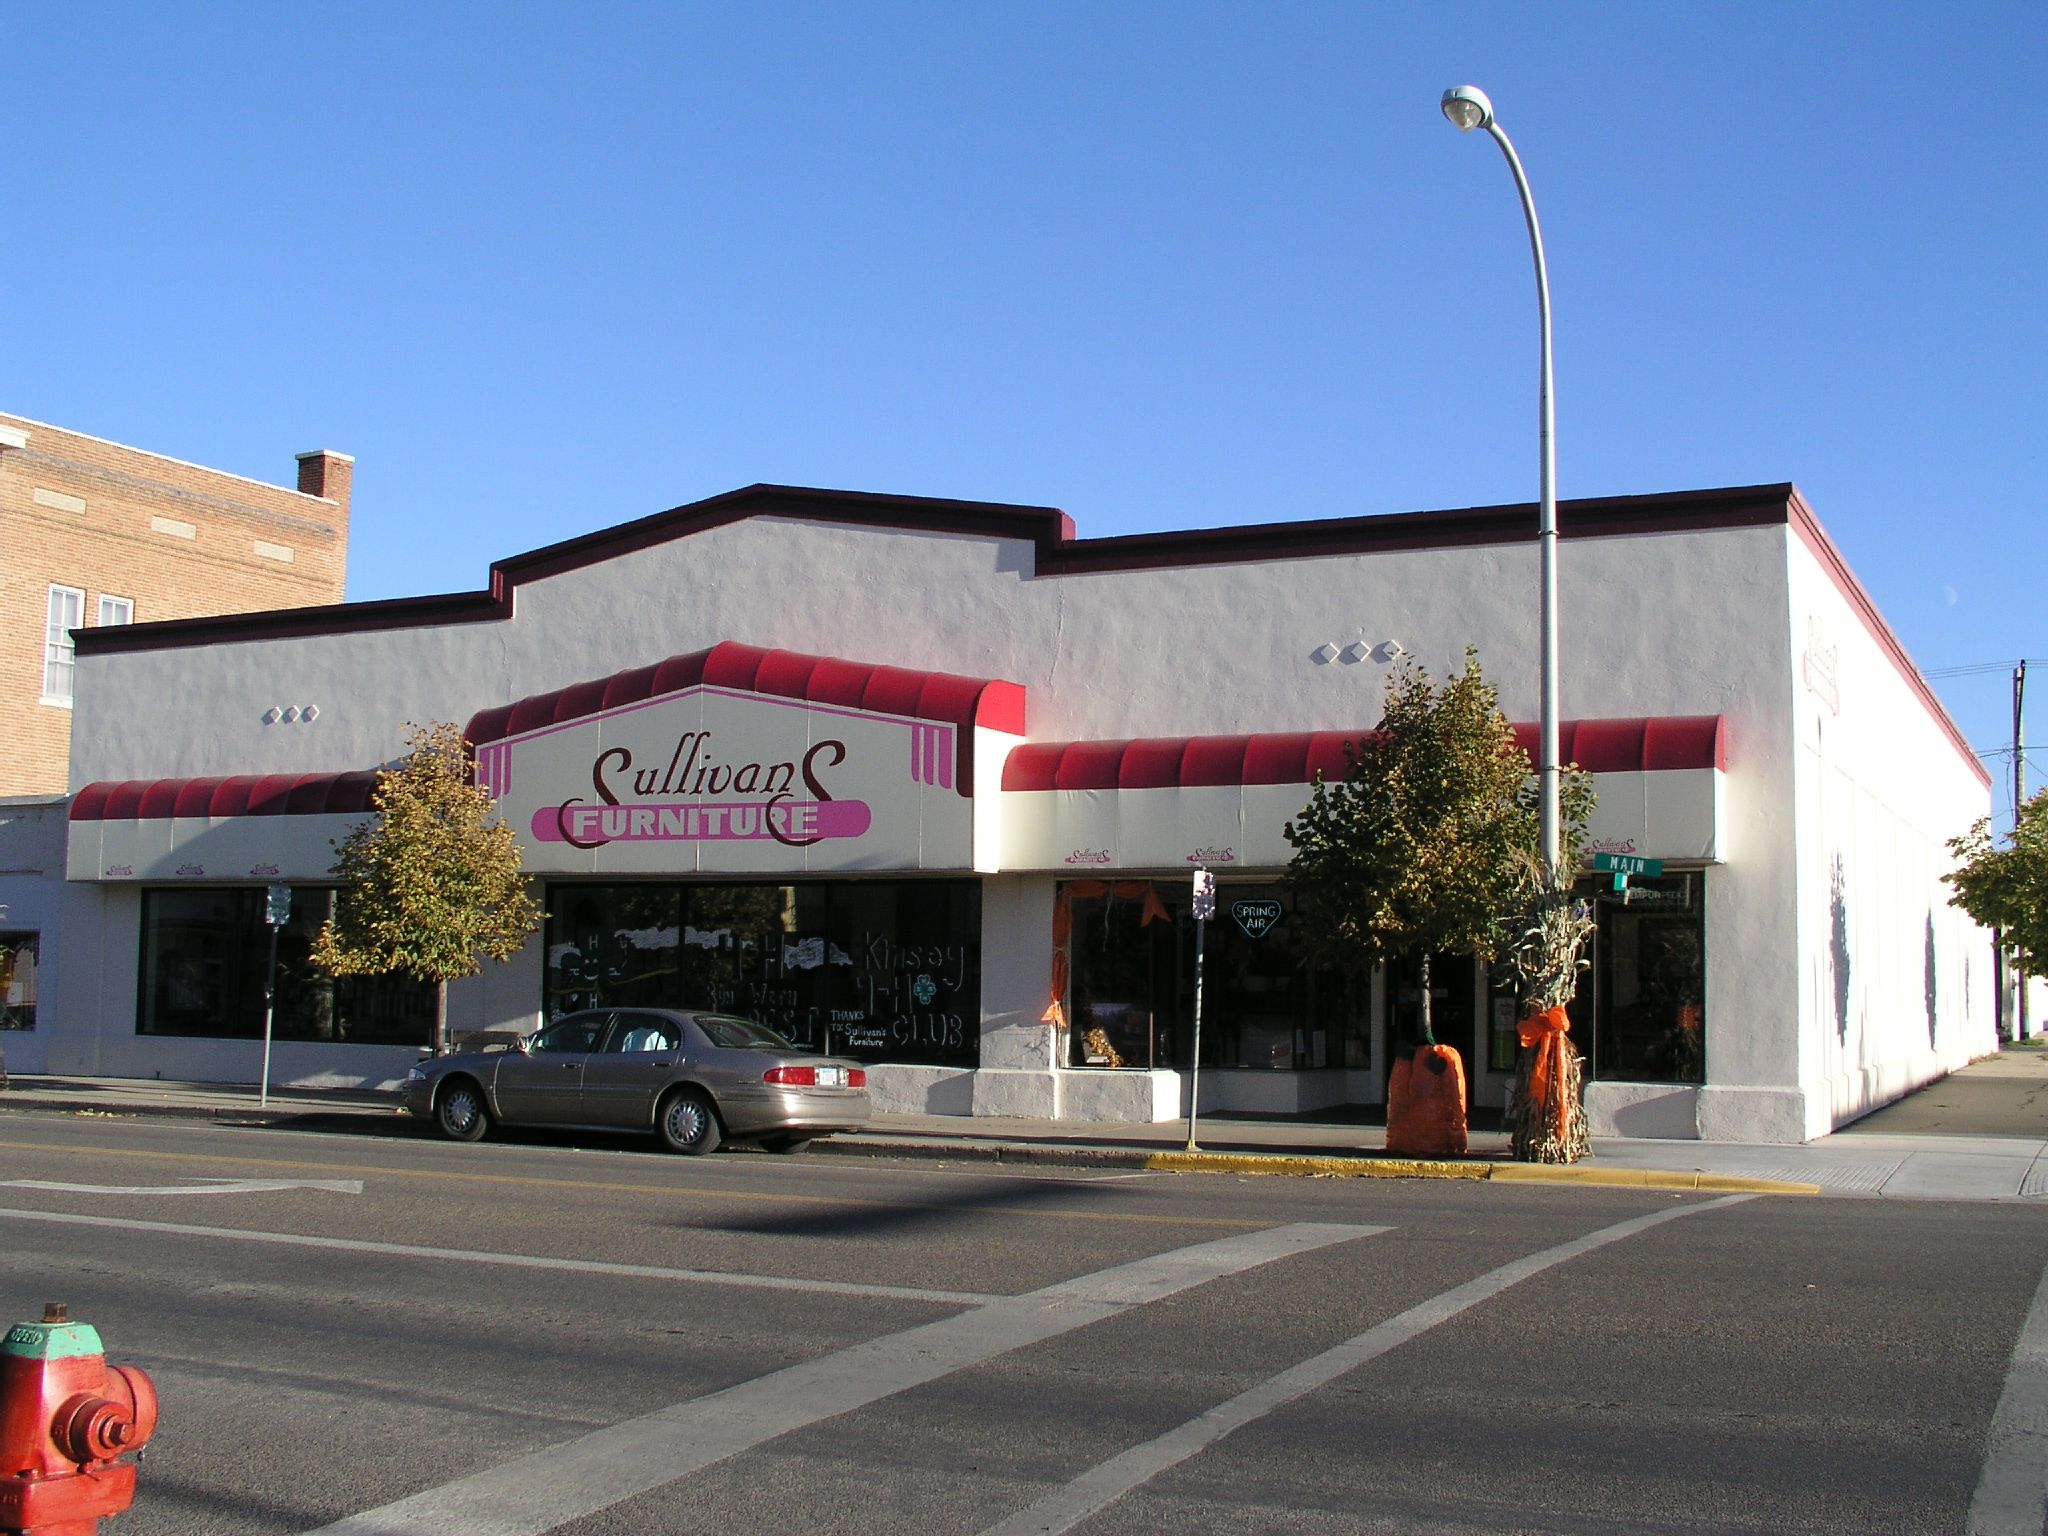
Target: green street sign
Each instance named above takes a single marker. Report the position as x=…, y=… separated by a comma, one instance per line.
x=1627, y=864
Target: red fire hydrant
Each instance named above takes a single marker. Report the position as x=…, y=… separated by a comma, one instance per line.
x=66, y=1417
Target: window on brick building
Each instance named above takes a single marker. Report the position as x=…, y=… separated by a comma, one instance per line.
x=117, y=610
x=67, y=612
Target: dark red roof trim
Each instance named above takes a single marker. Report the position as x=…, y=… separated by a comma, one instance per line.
x=274, y=794
x=1815, y=538
x=1058, y=553
x=1598, y=746
x=1049, y=530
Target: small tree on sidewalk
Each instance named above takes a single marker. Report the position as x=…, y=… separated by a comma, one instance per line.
x=1429, y=843
x=431, y=884
x=2007, y=888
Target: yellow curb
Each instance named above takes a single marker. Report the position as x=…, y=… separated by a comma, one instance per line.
x=1339, y=1167
x=1512, y=1173
x=1646, y=1178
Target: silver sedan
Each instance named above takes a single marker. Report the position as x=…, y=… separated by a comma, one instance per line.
x=695, y=1079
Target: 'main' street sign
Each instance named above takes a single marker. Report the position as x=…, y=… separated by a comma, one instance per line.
x=1627, y=864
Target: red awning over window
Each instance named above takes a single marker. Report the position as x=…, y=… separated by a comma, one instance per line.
x=1598, y=746
x=274, y=794
x=962, y=701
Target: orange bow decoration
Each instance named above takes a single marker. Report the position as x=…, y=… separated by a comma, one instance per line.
x=1544, y=1033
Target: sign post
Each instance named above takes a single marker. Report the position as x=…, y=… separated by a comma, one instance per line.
x=277, y=911
x=1204, y=909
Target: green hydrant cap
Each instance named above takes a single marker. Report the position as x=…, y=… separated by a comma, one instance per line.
x=51, y=1341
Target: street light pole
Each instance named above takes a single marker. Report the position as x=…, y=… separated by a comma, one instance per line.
x=1467, y=108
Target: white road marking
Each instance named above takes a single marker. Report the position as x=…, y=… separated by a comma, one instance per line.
x=1067, y=1507
x=514, y=1260
x=567, y=1482
x=200, y=1187
x=2012, y=1490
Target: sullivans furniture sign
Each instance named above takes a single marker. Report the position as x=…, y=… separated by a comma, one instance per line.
x=718, y=780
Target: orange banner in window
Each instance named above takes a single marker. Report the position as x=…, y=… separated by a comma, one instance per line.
x=1154, y=911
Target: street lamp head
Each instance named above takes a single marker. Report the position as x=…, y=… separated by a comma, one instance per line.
x=1467, y=108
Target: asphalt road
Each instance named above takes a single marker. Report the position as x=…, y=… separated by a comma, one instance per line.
x=376, y=1335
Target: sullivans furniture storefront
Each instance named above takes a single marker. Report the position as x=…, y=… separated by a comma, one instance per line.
x=924, y=783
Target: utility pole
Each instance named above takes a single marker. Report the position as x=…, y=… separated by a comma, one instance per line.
x=2019, y=798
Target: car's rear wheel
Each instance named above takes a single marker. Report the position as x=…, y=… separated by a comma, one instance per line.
x=689, y=1123
x=460, y=1111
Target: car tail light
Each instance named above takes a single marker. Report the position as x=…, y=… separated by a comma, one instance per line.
x=816, y=1077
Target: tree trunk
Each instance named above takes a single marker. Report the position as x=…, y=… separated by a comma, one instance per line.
x=1428, y=1034
x=441, y=1018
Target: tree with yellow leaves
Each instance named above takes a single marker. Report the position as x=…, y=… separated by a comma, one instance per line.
x=431, y=884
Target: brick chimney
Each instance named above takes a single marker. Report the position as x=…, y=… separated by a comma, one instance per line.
x=327, y=473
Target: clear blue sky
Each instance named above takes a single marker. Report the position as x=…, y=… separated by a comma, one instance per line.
x=544, y=268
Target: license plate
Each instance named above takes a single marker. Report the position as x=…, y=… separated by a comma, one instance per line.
x=831, y=1077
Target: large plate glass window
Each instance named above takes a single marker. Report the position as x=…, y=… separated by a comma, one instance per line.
x=204, y=956
x=18, y=980
x=1645, y=997
x=1130, y=988
x=880, y=970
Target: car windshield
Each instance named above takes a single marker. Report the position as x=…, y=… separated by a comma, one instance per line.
x=741, y=1034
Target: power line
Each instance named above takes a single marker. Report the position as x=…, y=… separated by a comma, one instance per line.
x=1973, y=668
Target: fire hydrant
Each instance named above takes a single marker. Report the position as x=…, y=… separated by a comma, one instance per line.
x=66, y=1418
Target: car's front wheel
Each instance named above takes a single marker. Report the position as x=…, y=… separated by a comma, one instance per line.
x=689, y=1124
x=460, y=1111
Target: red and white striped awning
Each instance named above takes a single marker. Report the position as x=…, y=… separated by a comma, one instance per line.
x=1224, y=801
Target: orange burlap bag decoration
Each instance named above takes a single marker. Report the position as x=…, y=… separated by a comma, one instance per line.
x=1544, y=1033
x=1426, y=1104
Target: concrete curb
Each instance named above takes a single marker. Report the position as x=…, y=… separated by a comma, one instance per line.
x=1045, y=1154
x=1290, y=1165
x=1645, y=1178
x=224, y=1114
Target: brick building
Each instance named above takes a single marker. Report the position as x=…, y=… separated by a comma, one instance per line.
x=94, y=533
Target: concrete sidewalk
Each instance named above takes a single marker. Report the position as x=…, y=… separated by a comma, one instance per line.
x=1980, y=1134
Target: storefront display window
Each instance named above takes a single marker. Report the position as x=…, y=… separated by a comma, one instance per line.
x=881, y=970
x=18, y=980
x=1130, y=960
x=205, y=955
x=1647, y=992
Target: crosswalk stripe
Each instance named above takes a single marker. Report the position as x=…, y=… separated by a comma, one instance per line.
x=2012, y=1490
x=1066, y=1507
x=551, y=1487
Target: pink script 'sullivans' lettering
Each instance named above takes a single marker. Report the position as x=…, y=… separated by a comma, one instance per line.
x=693, y=771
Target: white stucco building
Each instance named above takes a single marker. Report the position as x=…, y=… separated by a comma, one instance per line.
x=896, y=775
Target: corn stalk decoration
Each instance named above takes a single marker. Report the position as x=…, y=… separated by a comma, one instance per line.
x=1546, y=1115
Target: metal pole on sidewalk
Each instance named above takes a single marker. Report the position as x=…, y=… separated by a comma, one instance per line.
x=1204, y=909
x=269, y=1008
x=277, y=911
